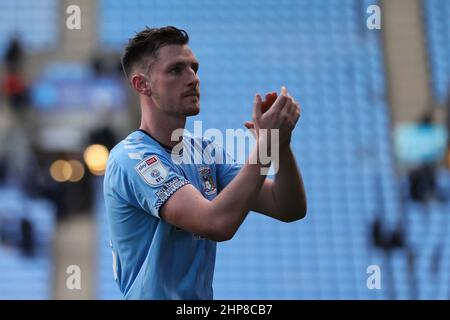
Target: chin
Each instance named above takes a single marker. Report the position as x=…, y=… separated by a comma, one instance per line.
x=193, y=111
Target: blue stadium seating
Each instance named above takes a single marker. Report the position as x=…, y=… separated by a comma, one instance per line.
x=34, y=22
x=21, y=276
x=437, y=29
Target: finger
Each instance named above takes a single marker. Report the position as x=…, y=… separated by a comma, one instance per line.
x=279, y=104
x=298, y=110
x=280, y=101
x=291, y=113
x=288, y=94
x=264, y=105
x=288, y=110
x=257, y=104
x=289, y=106
x=293, y=107
x=295, y=113
x=268, y=102
x=271, y=99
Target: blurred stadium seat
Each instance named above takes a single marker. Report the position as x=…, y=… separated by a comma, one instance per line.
x=437, y=25
x=23, y=274
x=34, y=22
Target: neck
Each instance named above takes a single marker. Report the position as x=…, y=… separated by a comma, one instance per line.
x=159, y=124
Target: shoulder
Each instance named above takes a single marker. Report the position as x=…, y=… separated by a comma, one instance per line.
x=200, y=142
x=133, y=151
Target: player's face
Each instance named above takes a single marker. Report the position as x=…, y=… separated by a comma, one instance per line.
x=174, y=82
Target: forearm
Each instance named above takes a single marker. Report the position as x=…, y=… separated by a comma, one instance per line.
x=231, y=206
x=288, y=190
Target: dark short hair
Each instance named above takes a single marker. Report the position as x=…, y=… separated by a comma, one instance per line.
x=147, y=42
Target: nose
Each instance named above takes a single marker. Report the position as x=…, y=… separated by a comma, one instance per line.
x=194, y=80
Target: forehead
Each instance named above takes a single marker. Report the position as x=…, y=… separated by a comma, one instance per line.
x=170, y=54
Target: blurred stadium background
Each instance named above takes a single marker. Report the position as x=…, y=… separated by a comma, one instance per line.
x=372, y=142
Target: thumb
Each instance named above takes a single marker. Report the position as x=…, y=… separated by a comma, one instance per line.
x=249, y=125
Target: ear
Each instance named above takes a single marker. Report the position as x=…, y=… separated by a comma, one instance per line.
x=141, y=84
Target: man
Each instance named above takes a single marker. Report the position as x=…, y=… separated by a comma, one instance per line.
x=166, y=218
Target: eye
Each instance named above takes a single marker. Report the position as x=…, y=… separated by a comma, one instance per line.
x=175, y=70
x=195, y=67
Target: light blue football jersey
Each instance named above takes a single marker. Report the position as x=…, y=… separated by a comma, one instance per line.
x=153, y=259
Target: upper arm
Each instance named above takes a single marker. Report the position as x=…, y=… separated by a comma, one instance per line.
x=152, y=181
x=165, y=193
x=188, y=210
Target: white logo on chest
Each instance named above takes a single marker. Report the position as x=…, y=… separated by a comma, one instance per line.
x=152, y=170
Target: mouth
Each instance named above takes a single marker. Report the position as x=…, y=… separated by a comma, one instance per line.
x=193, y=94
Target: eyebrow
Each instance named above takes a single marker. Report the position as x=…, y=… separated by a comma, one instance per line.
x=182, y=64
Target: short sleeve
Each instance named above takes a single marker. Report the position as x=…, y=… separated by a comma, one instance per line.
x=153, y=181
x=227, y=170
